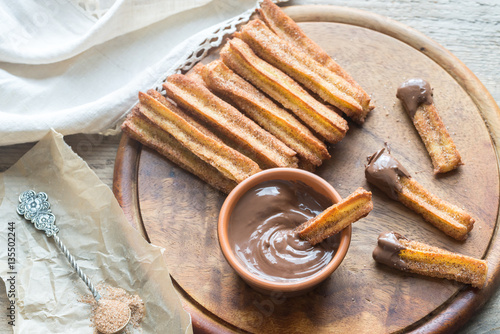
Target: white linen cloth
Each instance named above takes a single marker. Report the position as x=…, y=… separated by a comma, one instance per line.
x=79, y=71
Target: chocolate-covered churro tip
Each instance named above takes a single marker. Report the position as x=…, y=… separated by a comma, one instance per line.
x=384, y=171
x=413, y=93
x=388, y=248
x=398, y=252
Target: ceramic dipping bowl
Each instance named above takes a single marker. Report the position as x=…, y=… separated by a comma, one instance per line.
x=260, y=284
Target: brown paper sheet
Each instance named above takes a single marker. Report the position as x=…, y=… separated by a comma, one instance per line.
x=95, y=230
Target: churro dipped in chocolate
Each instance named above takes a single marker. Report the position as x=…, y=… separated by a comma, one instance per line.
x=228, y=122
x=224, y=82
x=337, y=217
x=141, y=129
x=331, y=87
x=239, y=57
x=390, y=176
x=416, y=98
x=201, y=142
x=398, y=252
x=286, y=28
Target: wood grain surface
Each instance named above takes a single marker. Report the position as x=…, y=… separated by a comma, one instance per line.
x=469, y=29
x=179, y=210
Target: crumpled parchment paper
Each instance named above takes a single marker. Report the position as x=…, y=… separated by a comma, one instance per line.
x=95, y=230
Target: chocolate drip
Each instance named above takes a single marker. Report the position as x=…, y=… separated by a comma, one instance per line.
x=388, y=248
x=413, y=93
x=384, y=171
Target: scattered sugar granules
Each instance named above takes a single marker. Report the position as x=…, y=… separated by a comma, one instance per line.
x=109, y=293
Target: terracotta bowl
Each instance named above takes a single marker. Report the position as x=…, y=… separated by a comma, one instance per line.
x=262, y=285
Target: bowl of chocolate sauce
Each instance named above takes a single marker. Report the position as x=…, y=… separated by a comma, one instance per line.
x=257, y=231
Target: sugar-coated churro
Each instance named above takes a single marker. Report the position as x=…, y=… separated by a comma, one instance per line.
x=416, y=97
x=223, y=81
x=238, y=56
x=147, y=133
x=228, y=161
x=331, y=87
x=337, y=217
x=196, y=73
x=173, y=108
x=390, y=176
x=286, y=28
x=227, y=121
x=398, y=252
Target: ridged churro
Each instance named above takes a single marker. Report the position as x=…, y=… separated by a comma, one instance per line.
x=286, y=28
x=231, y=163
x=238, y=56
x=224, y=82
x=173, y=108
x=227, y=121
x=390, y=176
x=416, y=97
x=196, y=73
x=337, y=217
x=331, y=87
x=398, y=252
x=145, y=132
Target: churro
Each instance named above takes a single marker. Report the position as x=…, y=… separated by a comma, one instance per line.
x=416, y=97
x=224, y=82
x=145, y=132
x=173, y=108
x=231, y=163
x=337, y=217
x=238, y=56
x=227, y=121
x=196, y=73
x=398, y=252
x=286, y=28
x=389, y=175
x=331, y=87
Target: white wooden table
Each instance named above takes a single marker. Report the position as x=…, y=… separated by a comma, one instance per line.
x=469, y=29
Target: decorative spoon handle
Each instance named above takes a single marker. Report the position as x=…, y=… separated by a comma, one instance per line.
x=36, y=208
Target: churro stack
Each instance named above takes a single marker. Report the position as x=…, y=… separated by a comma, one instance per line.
x=273, y=99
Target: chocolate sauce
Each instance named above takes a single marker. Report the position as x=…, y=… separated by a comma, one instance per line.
x=388, y=248
x=384, y=171
x=261, y=231
x=413, y=93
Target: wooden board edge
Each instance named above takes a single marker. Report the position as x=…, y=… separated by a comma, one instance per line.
x=204, y=322
x=125, y=181
x=456, y=312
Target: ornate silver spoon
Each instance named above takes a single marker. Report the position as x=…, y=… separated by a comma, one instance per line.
x=36, y=208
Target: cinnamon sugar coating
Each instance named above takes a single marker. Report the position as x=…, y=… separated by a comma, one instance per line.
x=224, y=82
x=229, y=123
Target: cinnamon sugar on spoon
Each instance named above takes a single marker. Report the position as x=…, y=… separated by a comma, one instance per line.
x=109, y=313
x=111, y=316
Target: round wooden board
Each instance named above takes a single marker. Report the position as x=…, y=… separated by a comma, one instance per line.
x=179, y=212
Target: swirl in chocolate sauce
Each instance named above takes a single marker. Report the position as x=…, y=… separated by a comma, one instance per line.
x=261, y=231
x=388, y=248
x=413, y=93
x=384, y=171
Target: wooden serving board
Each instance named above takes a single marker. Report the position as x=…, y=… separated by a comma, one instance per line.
x=179, y=212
